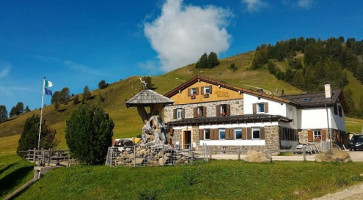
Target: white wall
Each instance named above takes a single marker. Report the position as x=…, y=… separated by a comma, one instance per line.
x=337, y=122
x=240, y=125
x=238, y=142
x=274, y=108
x=316, y=118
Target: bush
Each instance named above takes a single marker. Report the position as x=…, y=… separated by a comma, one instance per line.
x=76, y=100
x=233, y=67
x=102, y=84
x=89, y=134
x=30, y=134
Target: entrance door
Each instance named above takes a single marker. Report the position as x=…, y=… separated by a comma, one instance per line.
x=187, y=139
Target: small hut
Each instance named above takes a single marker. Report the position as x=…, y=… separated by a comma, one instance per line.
x=153, y=129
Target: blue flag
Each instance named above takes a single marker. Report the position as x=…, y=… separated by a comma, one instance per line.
x=47, y=91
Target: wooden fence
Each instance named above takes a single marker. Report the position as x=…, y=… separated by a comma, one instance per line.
x=48, y=157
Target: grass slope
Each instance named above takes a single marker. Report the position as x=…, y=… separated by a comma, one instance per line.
x=127, y=121
x=213, y=180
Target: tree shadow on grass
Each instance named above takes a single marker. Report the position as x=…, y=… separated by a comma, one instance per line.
x=13, y=179
x=6, y=168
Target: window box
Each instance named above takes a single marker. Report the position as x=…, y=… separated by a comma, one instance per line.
x=193, y=97
x=206, y=95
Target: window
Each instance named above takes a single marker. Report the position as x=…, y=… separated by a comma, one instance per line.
x=256, y=133
x=317, y=135
x=238, y=133
x=223, y=109
x=193, y=91
x=306, y=99
x=222, y=134
x=335, y=109
x=207, y=90
x=206, y=134
x=340, y=111
x=179, y=113
x=200, y=111
x=260, y=107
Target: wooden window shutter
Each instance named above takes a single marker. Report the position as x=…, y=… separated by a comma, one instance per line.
x=214, y=134
x=210, y=89
x=228, y=107
x=254, y=108
x=195, y=112
x=218, y=110
x=174, y=114
x=227, y=134
x=189, y=92
x=249, y=134
x=262, y=133
x=310, y=135
x=201, y=134
x=323, y=135
x=183, y=113
x=244, y=133
x=204, y=111
x=197, y=91
x=266, y=107
x=231, y=134
x=202, y=90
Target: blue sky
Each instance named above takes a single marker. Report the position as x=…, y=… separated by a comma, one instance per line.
x=78, y=43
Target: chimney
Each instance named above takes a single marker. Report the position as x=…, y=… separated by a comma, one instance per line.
x=327, y=91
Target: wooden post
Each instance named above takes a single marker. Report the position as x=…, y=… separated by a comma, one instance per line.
x=162, y=154
x=239, y=154
x=33, y=155
x=111, y=160
x=304, y=152
x=134, y=156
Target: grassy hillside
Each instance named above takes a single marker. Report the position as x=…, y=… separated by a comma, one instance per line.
x=213, y=180
x=127, y=121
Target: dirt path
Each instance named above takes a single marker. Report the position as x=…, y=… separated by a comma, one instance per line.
x=352, y=193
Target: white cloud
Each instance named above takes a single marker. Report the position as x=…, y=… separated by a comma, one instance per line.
x=181, y=34
x=304, y=3
x=254, y=5
x=4, y=70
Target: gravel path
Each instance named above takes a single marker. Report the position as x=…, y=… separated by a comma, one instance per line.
x=352, y=193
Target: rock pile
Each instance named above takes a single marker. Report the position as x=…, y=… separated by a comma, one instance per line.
x=152, y=155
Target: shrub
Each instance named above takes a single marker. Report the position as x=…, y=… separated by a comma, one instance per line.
x=30, y=134
x=102, y=84
x=233, y=67
x=89, y=134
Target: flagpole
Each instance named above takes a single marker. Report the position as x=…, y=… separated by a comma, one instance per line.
x=41, y=115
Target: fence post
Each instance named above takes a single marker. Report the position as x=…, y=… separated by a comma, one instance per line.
x=111, y=160
x=304, y=152
x=239, y=154
x=134, y=156
x=33, y=156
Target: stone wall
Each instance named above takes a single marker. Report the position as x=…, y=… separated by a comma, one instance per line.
x=236, y=107
x=303, y=135
x=272, y=138
x=272, y=141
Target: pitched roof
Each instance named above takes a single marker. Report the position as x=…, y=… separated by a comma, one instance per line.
x=317, y=99
x=148, y=97
x=229, y=119
x=224, y=85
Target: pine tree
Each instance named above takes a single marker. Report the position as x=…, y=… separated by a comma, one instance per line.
x=86, y=94
x=29, y=136
x=27, y=109
x=89, y=134
x=3, y=113
x=76, y=100
x=212, y=60
x=102, y=84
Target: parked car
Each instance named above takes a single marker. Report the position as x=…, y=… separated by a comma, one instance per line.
x=356, y=142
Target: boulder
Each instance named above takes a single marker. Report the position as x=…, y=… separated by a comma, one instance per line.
x=256, y=156
x=333, y=155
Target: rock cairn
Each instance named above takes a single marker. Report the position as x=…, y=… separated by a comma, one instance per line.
x=152, y=155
